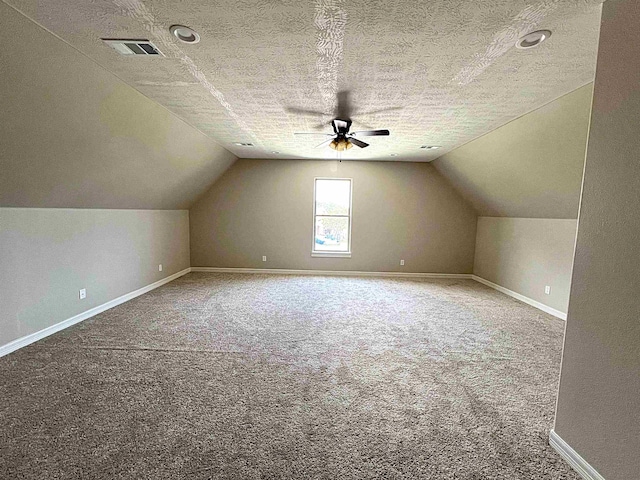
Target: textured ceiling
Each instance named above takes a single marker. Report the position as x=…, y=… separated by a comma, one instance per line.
x=74, y=136
x=440, y=72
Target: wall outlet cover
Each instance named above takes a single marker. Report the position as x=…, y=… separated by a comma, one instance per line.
x=264, y=258
x=160, y=267
x=401, y=262
x=547, y=289
x=82, y=294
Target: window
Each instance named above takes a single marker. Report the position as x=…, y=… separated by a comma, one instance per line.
x=332, y=217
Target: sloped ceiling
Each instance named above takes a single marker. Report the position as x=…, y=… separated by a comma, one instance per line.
x=438, y=72
x=531, y=167
x=74, y=135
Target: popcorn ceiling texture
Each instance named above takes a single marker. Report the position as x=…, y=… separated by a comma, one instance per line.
x=443, y=71
x=331, y=21
x=231, y=376
x=526, y=21
x=138, y=11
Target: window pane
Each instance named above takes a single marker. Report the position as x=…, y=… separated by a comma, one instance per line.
x=332, y=234
x=332, y=197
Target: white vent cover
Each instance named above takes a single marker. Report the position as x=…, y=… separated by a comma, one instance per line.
x=133, y=47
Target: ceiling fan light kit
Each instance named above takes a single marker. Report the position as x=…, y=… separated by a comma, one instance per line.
x=341, y=144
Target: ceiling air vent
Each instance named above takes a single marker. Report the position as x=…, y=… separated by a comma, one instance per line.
x=133, y=47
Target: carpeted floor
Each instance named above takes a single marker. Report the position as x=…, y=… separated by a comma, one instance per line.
x=232, y=376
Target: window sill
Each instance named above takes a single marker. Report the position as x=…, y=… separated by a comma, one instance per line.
x=331, y=254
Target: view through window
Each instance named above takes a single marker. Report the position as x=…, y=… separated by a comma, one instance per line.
x=332, y=215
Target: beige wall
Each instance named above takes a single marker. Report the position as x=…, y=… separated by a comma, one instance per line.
x=400, y=211
x=528, y=168
x=74, y=135
x=526, y=254
x=598, y=410
x=524, y=179
x=48, y=255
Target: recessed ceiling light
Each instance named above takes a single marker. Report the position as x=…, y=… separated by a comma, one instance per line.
x=241, y=144
x=184, y=34
x=430, y=147
x=533, y=39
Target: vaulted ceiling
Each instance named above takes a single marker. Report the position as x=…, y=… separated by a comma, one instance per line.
x=74, y=136
x=440, y=72
x=529, y=168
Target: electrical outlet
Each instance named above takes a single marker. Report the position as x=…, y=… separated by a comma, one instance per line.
x=547, y=289
x=82, y=294
x=160, y=267
x=401, y=262
x=264, y=258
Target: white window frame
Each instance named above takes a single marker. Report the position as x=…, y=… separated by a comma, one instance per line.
x=328, y=253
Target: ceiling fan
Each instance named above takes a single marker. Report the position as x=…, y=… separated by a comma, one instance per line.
x=341, y=139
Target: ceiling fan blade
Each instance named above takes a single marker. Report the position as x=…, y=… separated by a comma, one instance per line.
x=325, y=143
x=343, y=105
x=320, y=126
x=360, y=124
x=382, y=110
x=303, y=111
x=358, y=143
x=313, y=133
x=371, y=133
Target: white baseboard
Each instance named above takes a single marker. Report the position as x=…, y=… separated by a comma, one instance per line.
x=34, y=337
x=572, y=457
x=344, y=273
x=522, y=298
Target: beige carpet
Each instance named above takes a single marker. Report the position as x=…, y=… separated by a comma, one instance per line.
x=232, y=376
